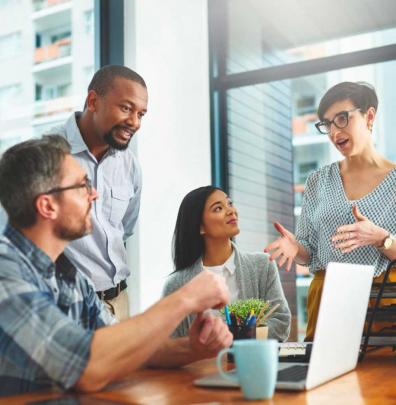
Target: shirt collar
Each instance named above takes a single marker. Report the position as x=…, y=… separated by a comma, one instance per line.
x=228, y=265
x=65, y=269
x=74, y=136
x=75, y=139
x=35, y=255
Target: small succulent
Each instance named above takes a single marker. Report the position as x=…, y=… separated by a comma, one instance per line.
x=242, y=308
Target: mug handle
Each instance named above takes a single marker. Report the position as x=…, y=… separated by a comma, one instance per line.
x=219, y=364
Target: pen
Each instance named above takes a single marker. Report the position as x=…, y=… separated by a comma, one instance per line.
x=227, y=315
x=248, y=317
x=252, y=321
x=270, y=312
x=261, y=313
x=234, y=322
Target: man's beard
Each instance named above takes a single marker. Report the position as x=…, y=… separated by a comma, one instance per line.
x=64, y=232
x=111, y=141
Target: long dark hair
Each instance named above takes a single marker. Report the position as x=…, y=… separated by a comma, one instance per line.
x=188, y=244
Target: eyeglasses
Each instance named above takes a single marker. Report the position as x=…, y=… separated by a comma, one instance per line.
x=340, y=120
x=87, y=184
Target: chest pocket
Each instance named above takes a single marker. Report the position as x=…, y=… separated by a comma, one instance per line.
x=120, y=197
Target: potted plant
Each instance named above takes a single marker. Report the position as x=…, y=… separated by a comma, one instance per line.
x=243, y=310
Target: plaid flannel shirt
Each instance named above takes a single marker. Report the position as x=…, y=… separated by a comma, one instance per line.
x=48, y=313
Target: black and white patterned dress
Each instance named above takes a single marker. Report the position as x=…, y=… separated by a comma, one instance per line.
x=325, y=207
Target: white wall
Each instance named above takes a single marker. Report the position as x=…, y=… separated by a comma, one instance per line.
x=167, y=43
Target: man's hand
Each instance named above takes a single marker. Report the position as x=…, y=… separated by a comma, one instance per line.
x=208, y=335
x=205, y=291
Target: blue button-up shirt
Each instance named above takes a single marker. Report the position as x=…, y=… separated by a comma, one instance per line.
x=48, y=312
x=117, y=178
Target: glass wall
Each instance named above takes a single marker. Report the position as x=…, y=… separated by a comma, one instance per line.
x=267, y=33
x=44, y=69
x=46, y=62
x=273, y=61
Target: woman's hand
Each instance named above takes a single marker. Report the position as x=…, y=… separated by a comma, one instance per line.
x=362, y=233
x=284, y=249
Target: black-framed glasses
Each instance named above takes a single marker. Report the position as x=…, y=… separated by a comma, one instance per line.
x=341, y=120
x=87, y=184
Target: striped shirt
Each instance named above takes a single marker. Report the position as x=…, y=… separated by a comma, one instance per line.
x=326, y=207
x=48, y=312
x=117, y=177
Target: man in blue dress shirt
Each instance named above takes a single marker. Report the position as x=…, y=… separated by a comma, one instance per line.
x=54, y=330
x=99, y=137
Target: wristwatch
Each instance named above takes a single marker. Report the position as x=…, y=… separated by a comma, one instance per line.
x=388, y=242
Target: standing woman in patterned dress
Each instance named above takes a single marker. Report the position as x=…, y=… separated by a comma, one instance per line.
x=349, y=207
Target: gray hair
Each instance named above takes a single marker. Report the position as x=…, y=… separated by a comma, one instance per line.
x=27, y=170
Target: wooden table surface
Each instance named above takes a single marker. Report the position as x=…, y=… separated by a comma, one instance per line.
x=373, y=382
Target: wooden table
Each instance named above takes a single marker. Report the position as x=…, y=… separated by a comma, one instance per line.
x=373, y=382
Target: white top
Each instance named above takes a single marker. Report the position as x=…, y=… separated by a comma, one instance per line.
x=227, y=270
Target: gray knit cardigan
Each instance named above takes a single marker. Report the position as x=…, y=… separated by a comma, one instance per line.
x=256, y=277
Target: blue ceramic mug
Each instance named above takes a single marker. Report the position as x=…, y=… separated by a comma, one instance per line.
x=256, y=363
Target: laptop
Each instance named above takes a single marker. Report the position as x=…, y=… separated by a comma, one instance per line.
x=338, y=332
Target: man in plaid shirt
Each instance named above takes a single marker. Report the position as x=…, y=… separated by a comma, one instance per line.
x=54, y=330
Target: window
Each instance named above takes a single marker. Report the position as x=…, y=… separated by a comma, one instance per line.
x=8, y=3
x=305, y=169
x=48, y=92
x=271, y=62
x=10, y=45
x=9, y=96
x=88, y=22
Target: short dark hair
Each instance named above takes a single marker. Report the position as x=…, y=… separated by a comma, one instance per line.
x=362, y=95
x=26, y=170
x=188, y=244
x=103, y=78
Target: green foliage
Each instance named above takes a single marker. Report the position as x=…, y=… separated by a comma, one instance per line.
x=242, y=308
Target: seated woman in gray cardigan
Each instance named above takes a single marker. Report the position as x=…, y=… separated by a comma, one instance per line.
x=206, y=223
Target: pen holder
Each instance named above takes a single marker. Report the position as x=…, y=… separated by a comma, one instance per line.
x=262, y=332
x=239, y=333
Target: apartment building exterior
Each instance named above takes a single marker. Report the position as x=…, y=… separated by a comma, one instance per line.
x=47, y=58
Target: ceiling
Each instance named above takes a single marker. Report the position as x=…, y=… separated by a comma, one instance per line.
x=293, y=23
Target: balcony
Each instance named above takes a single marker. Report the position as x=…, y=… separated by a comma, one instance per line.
x=57, y=50
x=54, y=107
x=39, y=5
x=53, y=16
x=304, y=124
x=304, y=131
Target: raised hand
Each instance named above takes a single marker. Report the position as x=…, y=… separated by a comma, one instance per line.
x=206, y=291
x=361, y=233
x=284, y=249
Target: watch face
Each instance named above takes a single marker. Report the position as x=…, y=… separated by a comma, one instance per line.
x=388, y=243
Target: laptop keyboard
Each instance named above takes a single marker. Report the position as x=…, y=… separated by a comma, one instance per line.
x=293, y=373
